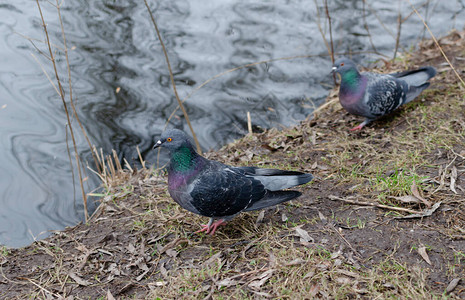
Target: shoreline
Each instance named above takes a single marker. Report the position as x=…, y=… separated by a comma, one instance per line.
x=140, y=244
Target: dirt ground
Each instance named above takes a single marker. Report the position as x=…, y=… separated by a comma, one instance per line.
x=383, y=218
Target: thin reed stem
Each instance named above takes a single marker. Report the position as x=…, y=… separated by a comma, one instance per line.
x=318, y=23
x=186, y=116
x=373, y=12
x=71, y=99
x=65, y=106
x=437, y=43
x=399, y=27
x=365, y=24
x=330, y=31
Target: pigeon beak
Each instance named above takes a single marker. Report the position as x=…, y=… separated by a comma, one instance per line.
x=157, y=144
x=333, y=69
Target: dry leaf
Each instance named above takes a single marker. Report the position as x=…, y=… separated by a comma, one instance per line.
x=361, y=291
x=143, y=266
x=159, y=283
x=453, y=179
x=407, y=199
x=105, y=252
x=272, y=260
x=336, y=254
x=131, y=248
x=213, y=259
x=322, y=217
x=425, y=213
x=424, y=255
x=172, y=244
x=226, y=282
x=295, y=262
x=163, y=271
x=260, y=217
x=452, y=285
x=262, y=279
x=113, y=269
x=313, y=139
x=139, y=278
x=415, y=192
x=78, y=279
x=322, y=266
x=262, y=294
x=309, y=274
x=314, y=290
x=172, y=253
x=343, y=280
x=284, y=217
x=110, y=296
x=347, y=273
x=304, y=236
x=323, y=167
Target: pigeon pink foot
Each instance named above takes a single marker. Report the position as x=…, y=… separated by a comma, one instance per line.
x=357, y=127
x=211, y=227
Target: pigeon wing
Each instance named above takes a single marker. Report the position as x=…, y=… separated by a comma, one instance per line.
x=225, y=192
x=384, y=94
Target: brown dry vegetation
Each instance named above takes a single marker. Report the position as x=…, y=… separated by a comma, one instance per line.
x=346, y=237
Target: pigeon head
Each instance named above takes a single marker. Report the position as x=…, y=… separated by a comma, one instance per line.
x=350, y=77
x=343, y=66
x=173, y=139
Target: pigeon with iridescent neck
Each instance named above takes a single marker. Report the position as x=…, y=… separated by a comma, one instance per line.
x=373, y=95
x=212, y=189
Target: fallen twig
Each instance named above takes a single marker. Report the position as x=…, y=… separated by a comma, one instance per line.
x=425, y=213
x=332, y=197
x=345, y=240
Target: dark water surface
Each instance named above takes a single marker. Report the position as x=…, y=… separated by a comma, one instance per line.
x=113, y=45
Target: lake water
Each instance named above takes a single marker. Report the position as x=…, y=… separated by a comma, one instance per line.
x=113, y=47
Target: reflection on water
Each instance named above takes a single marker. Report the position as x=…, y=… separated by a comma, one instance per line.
x=113, y=45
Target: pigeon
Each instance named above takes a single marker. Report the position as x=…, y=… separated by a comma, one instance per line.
x=213, y=189
x=373, y=95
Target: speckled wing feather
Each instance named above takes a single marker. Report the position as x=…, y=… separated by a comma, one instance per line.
x=225, y=192
x=384, y=94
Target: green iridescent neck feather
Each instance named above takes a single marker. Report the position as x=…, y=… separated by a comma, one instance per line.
x=182, y=159
x=350, y=78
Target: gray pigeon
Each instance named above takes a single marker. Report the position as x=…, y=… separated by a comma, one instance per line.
x=373, y=95
x=212, y=189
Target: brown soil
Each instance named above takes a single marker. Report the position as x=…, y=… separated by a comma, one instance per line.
x=140, y=244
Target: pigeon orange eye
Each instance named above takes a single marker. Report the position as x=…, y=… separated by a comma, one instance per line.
x=342, y=64
x=169, y=139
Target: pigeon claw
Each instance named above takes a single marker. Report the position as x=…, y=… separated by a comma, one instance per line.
x=211, y=228
x=357, y=127
x=205, y=227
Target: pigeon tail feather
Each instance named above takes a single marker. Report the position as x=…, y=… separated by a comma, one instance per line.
x=273, y=198
x=268, y=172
x=416, y=77
x=280, y=182
x=414, y=91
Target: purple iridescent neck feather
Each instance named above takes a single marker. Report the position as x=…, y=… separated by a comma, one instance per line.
x=185, y=164
x=353, y=86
